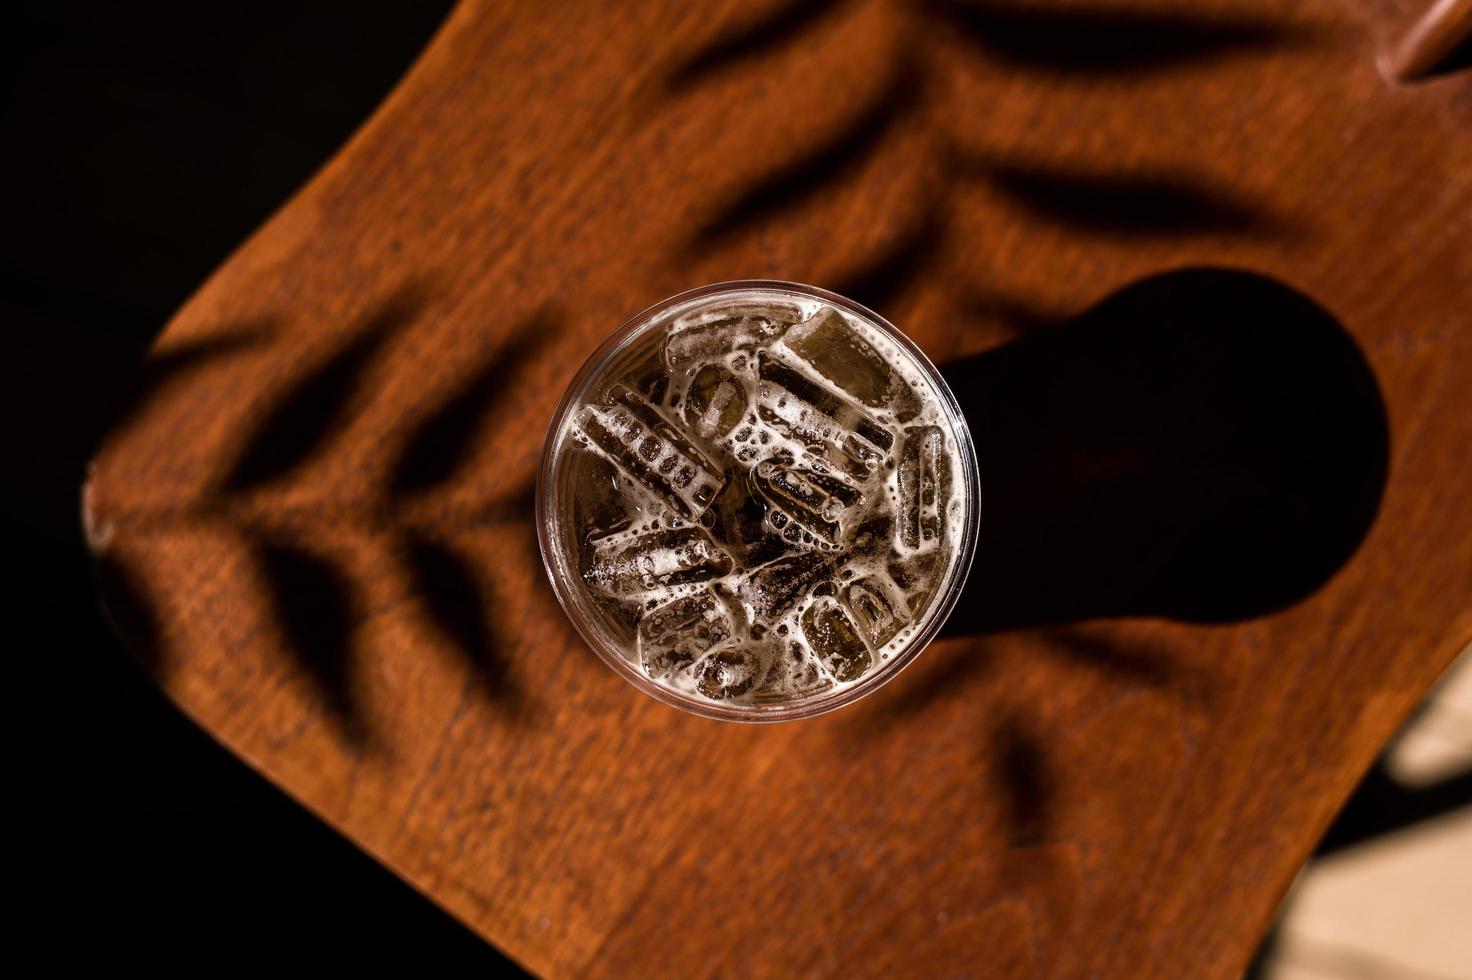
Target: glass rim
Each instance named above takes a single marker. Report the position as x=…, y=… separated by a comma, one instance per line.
x=549, y=539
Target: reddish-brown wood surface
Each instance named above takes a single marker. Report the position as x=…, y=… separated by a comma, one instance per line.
x=315, y=520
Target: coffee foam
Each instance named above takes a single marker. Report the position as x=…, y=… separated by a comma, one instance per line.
x=752, y=440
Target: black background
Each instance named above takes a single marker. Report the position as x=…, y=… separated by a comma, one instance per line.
x=143, y=142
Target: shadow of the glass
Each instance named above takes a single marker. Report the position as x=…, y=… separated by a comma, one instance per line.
x=1206, y=445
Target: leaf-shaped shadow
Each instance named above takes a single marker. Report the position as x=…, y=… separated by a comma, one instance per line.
x=1024, y=778
x=1108, y=40
x=913, y=694
x=127, y=604
x=316, y=609
x=316, y=408
x=1137, y=663
x=458, y=604
x=517, y=505
x=883, y=279
x=1129, y=204
x=834, y=158
x=783, y=25
x=1459, y=59
x=444, y=440
x=179, y=362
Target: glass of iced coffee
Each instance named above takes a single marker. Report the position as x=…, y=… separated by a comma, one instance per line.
x=757, y=501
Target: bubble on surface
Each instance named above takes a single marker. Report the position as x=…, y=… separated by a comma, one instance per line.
x=674, y=635
x=878, y=609
x=733, y=671
x=710, y=333
x=628, y=431
x=714, y=402
x=631, y=563
x=924, y=485
x=774, y=589
x=834, y=640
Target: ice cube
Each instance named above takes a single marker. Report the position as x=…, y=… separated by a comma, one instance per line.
x=872, y=539
x=714, y=333
x=877, y=608
x=835, y=640
x=599, y=506
x=732, y=671
x=621, y=615
x=644, y=445
x=916, y=577
x=625, y=565
x=813, y=500
x=677, y=633
x=807, y=410
x=793, y=674
x=836, y=351
x=647, y=375
x=924, y=484
x=772, y=590
x=715, y=402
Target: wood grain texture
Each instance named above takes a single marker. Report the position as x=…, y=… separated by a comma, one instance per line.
x=1117, y=758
